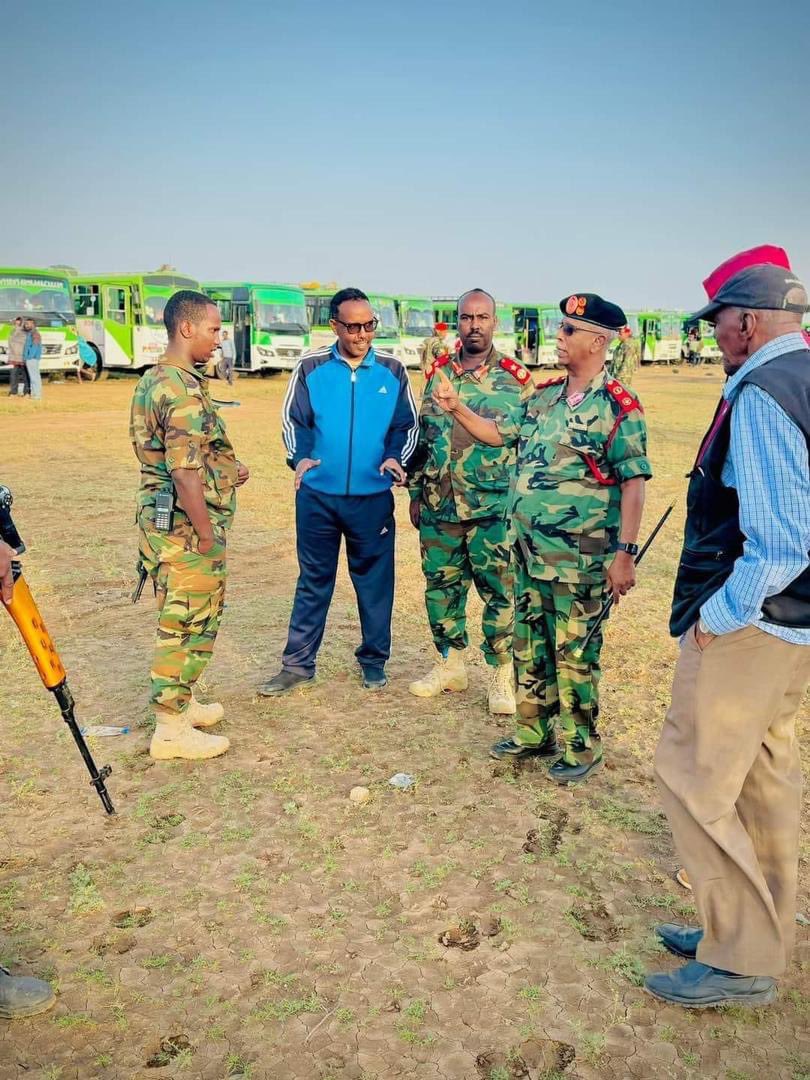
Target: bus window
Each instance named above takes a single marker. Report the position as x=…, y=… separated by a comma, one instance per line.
x=322, y=311
x=225, y=310
x=116, y=305
x=86, y=300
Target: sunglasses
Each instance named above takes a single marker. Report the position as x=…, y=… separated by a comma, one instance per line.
x=569, y=330
x=356, y=327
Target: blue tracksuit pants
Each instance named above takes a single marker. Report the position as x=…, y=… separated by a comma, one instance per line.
x=367, y=523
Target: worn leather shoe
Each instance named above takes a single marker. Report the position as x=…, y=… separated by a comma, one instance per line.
x=374, y=678
x=283, y=683
x=23, y=996
x=698, y=986
x=680, y=940
x=510, y=748
x=563, y=773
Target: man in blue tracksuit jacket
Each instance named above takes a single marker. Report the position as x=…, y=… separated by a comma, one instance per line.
x=349, y=425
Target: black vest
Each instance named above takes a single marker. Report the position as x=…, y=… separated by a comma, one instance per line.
x=712, y=538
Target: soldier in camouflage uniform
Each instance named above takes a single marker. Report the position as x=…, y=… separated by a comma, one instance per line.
x=180, y=440
x=433, y=347
x=459, y=493
x=623, y=361
x=576, y=512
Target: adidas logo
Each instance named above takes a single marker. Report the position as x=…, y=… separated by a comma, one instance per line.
x=383, y=390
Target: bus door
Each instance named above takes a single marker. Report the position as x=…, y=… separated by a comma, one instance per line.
x=241, y=335
x=649, y=333
x=118, y=315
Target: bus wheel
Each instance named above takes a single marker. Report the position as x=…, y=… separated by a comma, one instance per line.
x=101, y=371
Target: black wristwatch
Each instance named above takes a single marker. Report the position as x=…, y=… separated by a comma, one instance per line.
x=631, y=549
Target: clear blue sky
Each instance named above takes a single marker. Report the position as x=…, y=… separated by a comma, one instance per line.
x=531, y=148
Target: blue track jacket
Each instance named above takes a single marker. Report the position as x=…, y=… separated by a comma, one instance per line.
x=351, y=421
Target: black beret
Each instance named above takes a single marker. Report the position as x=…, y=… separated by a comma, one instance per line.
x=591, y=308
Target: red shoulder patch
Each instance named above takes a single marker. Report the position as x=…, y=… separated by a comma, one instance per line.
x=624, y=398
x=627, y=402
x=552, y=382
x=440, y=361
x=521, y=373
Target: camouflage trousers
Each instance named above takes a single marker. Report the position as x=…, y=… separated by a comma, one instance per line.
x=456, y=554
x=190, y=590
x=555, y=682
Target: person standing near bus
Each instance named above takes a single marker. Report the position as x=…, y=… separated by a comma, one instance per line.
x=349, y=426
x=18, y=379
x=576, y=512
x=459, y=502
x=228, y=350
x=727, y=763
x=32, y=355
x=186, y=458
x=433, y=347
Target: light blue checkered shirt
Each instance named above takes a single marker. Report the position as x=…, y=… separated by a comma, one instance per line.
x=767, y=464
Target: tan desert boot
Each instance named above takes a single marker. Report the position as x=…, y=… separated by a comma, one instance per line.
x=449, y=674
x=199, y=715
x=174, y=737
x=502, y=690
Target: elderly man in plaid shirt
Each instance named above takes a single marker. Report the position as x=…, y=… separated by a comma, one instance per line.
x=728, y=760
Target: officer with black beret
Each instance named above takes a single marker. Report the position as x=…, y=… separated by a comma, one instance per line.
x=576, y=512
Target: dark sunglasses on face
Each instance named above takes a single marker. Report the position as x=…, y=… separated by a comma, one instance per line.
x=356, y=327
x=569, y=330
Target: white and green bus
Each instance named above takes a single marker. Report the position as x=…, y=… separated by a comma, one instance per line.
x=415, y=325
x=536, y=330
x=44, y=297
x=505, y=339
x=387, y=336
x=267, y=323
x=121, y=315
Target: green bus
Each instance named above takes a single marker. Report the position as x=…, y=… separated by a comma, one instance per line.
x=44, y=296
x=415, y=325
x=445, y=309
x=121, y=315
x=387, y=336
x=660, y=335
x=267, y=323
x=536, y=333
x=709, y=352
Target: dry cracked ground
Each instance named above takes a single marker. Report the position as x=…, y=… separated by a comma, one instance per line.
x=243, y=918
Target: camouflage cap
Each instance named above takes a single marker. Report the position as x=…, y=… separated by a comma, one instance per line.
x=590, y=308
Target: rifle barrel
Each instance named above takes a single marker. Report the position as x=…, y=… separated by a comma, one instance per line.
x=608, y=604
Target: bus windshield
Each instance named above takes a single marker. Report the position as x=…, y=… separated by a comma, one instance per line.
x=419, y=320
x=550, y=321
x=44, y=299
x=506, y=320
x=155, y=300
x=279, y=312
x=385, y=311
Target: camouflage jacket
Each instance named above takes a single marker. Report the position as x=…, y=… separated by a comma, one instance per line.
x=430, y=351
x=572, y=460
x=175, y=425
x=453, y=475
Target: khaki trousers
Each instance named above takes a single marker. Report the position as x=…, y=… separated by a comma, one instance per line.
x=729, y=773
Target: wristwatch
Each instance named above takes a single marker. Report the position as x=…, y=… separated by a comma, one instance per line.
x=631, y=549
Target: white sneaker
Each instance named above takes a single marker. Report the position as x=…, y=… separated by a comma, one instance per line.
x=446, y=674
x=502, y=690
